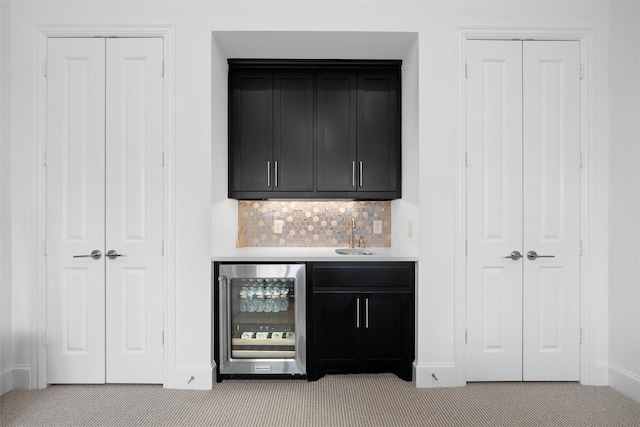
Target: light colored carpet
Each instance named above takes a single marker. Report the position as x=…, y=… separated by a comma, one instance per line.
x=336, y=400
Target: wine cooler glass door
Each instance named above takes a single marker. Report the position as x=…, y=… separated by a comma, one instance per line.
x=262, y=314
x=263, y=318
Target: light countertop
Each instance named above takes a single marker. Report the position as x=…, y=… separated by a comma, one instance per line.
x=309, y=254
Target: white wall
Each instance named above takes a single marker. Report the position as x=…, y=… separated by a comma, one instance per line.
x=205, y=32
x=6, y=357
x=624, y=288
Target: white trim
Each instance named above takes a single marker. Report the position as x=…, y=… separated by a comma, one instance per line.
x=6, y=380
x=590, y=370
x=17, y=377
x=533, y=33
x=194, y=377
x=432, y=375
x=167, y=33
x=625, y=382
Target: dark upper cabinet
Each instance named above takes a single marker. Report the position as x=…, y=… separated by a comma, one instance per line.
x=378, y=137
x=314, y=129
x=250, y=131
x=336, y=129
x=358, y=132
x=270, y=132
x=293, y=132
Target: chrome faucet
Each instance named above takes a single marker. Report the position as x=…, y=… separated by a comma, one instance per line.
x=352, y=226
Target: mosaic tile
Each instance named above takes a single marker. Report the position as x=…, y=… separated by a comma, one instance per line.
x=314, y=224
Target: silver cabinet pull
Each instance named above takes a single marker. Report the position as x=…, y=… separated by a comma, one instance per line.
x=113, y=254
x=353, y=173
x=268, y=173
x=532, y=255
x=366, y=313
x=275, y=174
x=358, y=312
x=515, y=255
x=95, y=254
x=360, y=173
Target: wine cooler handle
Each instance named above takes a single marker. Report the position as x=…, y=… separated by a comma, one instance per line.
x=358, y=312
x=223, y=313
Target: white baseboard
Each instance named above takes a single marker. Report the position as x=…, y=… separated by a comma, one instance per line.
x=431, y=375
x=625, y=382
x=6, y=380
x=15, y=378
x=192, y=377
x=599, y=375
x=22, y=377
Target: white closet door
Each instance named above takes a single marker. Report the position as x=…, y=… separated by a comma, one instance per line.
x=552, y=211
x=75, y=211
x=104, y=192
x=494, y=218
x=522, y=195
x=134, y=210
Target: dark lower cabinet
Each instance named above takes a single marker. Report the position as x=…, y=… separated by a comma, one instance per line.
x=336, y=337
x=385, y=339
x=362, y=318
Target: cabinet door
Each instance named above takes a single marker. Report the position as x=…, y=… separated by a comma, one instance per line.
x=388, y=329
x=251, y=131
x=336, y=329
x=293, y=132
x=378, y=138
x=336, y=127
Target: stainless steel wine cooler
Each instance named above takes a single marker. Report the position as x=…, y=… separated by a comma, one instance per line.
x=261, y=319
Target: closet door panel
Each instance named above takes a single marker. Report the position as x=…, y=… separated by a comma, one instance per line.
x=75, y=210
x=494, y=218
x=134, y=221
x=552, y=211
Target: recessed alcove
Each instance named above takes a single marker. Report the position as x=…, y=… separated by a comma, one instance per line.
x=315, y=45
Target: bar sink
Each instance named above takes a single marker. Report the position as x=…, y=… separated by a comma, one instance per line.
x=353, y=251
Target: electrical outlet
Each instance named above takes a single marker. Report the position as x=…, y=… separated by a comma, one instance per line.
x=277, y=226
x=377, y=226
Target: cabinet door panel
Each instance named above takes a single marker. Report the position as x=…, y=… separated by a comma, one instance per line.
x=388, y=330
x=293, y=132
x=336, y=329
x=251, y=131
x=378, y=132
x=336, y=127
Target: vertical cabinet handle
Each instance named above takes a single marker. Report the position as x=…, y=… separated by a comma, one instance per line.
x=366, y=313
x=275, y=174
x=353, y=173
x=360, y=173
x=357, y=312
x=268, y=173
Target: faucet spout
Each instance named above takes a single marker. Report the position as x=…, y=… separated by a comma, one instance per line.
x=352, y=226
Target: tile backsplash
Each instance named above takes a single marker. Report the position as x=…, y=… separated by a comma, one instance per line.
x=313, y=224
